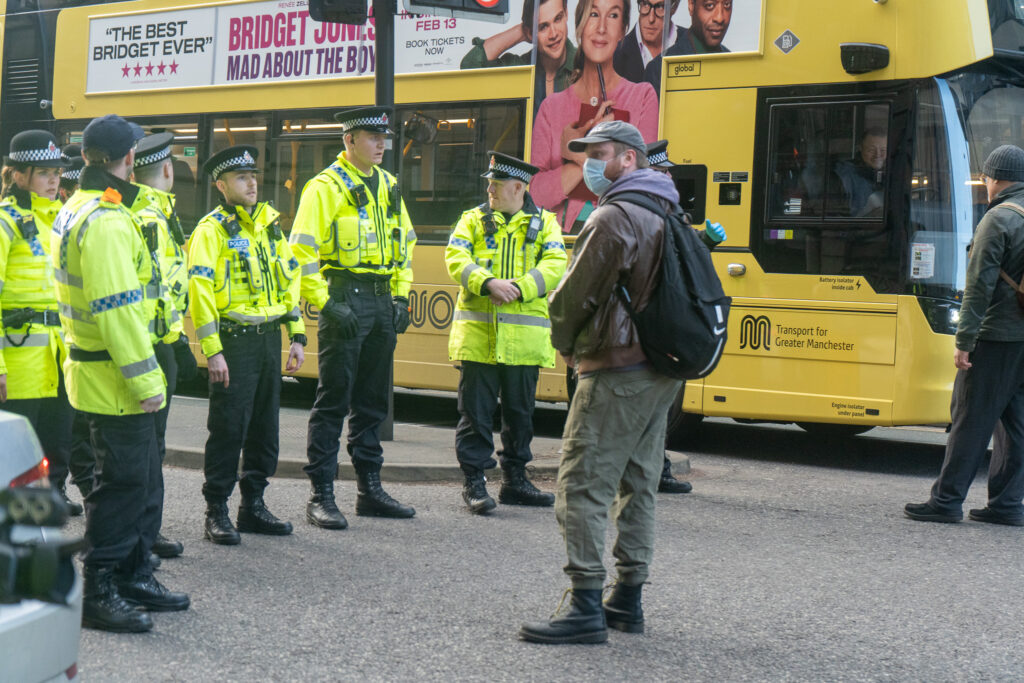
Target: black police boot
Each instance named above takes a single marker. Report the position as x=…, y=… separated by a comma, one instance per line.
x=166, y=548
x=145, y=591
x=584, y=623
x=255, y=518
x=321, y=510
x=623, y=611
x=373, y=501
x=103, y=607
x=474, y=492
x=516, y=489
x=74, y=509
x=669, y=484
x=218, y=527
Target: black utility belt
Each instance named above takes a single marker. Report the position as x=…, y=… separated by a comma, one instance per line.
x=379, y=285
x=23, y=316
x=84, y=356
x=231, y=329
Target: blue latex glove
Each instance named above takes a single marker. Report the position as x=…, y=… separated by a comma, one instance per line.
x=715, y=231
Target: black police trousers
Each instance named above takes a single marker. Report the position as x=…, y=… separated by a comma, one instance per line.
x=122, y=513
x=83, y=462
x=990, y=393
x=354, y=376
x=51, y=419
x=244, y=417
x=479, y=387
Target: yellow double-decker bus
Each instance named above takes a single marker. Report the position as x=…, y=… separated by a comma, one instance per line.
x=839, y=143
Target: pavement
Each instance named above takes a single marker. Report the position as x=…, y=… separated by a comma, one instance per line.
x=418, y=453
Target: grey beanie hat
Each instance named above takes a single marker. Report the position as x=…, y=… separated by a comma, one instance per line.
x=1006, y=162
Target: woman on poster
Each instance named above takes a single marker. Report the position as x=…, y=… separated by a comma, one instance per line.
x=597, y=94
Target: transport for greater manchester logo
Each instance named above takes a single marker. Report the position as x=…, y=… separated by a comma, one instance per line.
x=756, y=333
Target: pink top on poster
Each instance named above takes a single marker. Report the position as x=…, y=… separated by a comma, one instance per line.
x=563, y=108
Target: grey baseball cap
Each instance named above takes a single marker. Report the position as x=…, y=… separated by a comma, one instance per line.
x=611, y=131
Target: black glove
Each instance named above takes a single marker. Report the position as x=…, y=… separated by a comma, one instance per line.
x=187, y=368
x=340, y=318
x=401, y=314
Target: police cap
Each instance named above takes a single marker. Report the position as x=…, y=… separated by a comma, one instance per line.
x=35, y=148
x=153, y=149
x=111, y=136
x=74, y=170
x=507, y=167
x=237, y=158
x=373, y=119
x=72, y=150
x=657, y=154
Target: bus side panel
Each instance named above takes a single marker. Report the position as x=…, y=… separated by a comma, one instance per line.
x=930, y=361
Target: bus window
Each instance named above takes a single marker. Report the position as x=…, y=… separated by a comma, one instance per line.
x=440, y=169
x=305, y=144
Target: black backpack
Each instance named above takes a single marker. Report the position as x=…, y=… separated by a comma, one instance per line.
x=683, y=328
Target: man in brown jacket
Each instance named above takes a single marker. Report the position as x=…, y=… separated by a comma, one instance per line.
x=615, y=432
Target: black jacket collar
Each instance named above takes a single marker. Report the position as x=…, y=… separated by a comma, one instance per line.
x=22, y=197
x=96, y=178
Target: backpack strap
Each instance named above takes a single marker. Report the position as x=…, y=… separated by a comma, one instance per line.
x=1017, y=287
x=643, y=200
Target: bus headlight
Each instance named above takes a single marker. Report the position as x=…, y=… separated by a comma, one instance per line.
x=943, y=315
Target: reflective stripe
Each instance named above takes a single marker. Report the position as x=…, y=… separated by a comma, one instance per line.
x=475, y=316
x=201, y=271
x=539, y=279
x=175, y=316
x=520, y=319
x=310, y=268
x=410, y=235
x=467, y=271
x=107, y=303
x=65, y=278
x=154, y=289
x=74, y=313
x=1, y=286
x=208, y=329
x=461, y=243
x=371, y=238
x=553, y=245
x=251, y=319
x=304, y=239
x=140, y=368
x=14, y=340
x=297, y=313
x=8, y=229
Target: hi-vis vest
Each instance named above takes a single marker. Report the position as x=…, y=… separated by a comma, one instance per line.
x=529, y=250
x=165, y=238
x=241, y=270
x=341, y=225
x=107, y=299
x=31, y=341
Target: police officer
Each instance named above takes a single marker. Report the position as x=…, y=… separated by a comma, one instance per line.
x=243, y=285
x=31, y=345
x=354, y=240
x=712, y=235
x=108, y=302
x=507, y=254
x=154, y=174
x=69, y=177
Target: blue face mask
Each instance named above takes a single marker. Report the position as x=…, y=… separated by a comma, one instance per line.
x=593, y=176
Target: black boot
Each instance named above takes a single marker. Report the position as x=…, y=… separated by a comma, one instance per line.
x=474, y=492
x=669, y=484
x=373, y=501
x=163, y=547
x=516, y=489
x=218, y=527
x=74, y=509
x=148, y=593
x=255, y=518
x=321, y=510
x=584, y=622
x=623, y=610
x=103, y=607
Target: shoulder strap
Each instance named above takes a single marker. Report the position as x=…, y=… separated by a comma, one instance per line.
x=1017, y=287
x=640, y=199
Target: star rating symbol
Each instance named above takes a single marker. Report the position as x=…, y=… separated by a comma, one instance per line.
x=149, y=69
x=174, y=67
x=161, y=67
x=137, y=69
x=124, y=70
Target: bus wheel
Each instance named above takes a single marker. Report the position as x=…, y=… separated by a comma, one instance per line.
x=682, y=427
x=826, y=429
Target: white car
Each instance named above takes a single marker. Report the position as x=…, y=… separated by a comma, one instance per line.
x=38, y=640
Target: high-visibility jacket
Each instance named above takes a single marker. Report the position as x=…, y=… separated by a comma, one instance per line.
x=341, y=226
x=166, y=324
x=527, y=249
x=241, y=269
x=164, y=236
x=107, y=297
x=30, y=350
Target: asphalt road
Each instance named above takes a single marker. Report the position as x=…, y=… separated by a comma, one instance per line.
x=790, y=561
